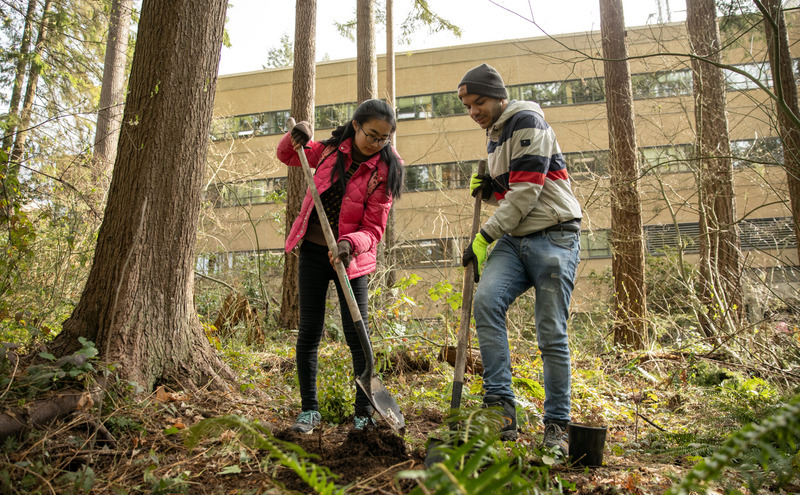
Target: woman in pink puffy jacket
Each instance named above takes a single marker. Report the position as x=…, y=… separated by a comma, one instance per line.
x=358, y=175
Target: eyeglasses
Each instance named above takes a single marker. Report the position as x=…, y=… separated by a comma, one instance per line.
x=373, y=140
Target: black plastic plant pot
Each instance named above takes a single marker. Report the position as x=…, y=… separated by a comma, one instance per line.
x=586, y=444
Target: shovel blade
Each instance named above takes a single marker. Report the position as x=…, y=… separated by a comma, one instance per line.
x=383, y=402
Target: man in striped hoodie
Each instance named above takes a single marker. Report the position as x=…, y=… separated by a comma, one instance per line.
x=536, y=226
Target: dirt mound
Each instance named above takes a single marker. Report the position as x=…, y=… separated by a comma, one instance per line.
x=376, y=455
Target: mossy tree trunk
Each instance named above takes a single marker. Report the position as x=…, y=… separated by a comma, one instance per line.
x=138, y=305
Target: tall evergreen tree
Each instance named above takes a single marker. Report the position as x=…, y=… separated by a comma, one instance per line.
x=138, y=304
x=366, y=60
x=303, y=87
x=112, y=92
x=627, y=235
x=720, y=257
x=785, y=85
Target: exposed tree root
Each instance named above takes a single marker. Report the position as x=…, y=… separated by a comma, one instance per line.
x=42, y=413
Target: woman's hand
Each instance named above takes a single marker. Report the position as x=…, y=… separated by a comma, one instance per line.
x=343, y=249
x=301, y=134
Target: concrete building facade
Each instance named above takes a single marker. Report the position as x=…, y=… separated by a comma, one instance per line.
x=441, y=145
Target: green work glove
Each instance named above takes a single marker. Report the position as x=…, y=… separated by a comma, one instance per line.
x=476, y=253
x=481, y=183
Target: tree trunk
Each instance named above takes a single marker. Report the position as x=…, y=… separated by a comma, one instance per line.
x=30, y=92
x=112, y=95
x=138, y=305
x=303, y=87
x=366, y=63
x=19, y=77
x=785, y=89
x=389, y=236
x=627, y=236
x=720, y=262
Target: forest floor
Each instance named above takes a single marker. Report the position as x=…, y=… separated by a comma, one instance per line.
x=662, y=410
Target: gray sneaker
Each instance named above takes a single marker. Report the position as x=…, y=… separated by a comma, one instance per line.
x=508, y=411
x=555, y=435
x=307, y=421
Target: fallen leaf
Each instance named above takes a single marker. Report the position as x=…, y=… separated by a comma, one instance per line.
x=85, y=402
x=161, y=395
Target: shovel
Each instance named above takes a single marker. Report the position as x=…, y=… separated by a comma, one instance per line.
x=369, y=383
x=433, y=456
x=466, y=306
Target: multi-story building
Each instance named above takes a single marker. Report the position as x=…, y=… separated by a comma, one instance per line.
x=441, y=146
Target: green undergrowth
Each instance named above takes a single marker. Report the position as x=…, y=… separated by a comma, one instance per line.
x=679, y=406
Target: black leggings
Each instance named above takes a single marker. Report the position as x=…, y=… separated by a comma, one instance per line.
x=315, y=271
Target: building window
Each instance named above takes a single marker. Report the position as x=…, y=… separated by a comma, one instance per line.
x=414, y=107
x=447, y=104
x=661, y=84
x=425, y=253
x=252, y=192
x=586, y=90
x=545, y=94
x=587, y=162
x=218, y=263
x=661, y=239
x=739, y=82
x=432, y=177
x=666, y=159
x=750, y=153
x=245, y=126
x=332, y=116
x=594, y=244
x=574, y=91
x=755, y=234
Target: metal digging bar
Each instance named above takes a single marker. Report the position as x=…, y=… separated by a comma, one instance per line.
x=378, y=396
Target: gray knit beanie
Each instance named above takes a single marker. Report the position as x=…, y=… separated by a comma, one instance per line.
x=484, y=80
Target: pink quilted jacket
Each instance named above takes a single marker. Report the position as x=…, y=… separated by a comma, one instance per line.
x=365, y=207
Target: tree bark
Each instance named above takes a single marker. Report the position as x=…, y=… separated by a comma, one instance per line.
x=389, y=236
x=19, y=76
x=138, y=305
x=30, y=91
x=303, y=89
x=112, y=95
x=627, y=235
x=366, y=62
x=720, y=261
x=785, y=89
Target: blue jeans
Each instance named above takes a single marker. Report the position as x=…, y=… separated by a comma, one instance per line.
x=548, y=263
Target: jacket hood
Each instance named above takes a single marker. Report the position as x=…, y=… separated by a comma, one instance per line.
x=514, y=107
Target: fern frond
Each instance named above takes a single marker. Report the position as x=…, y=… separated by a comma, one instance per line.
x=474, y=462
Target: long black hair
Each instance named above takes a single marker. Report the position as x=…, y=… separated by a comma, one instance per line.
x=370, y=109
